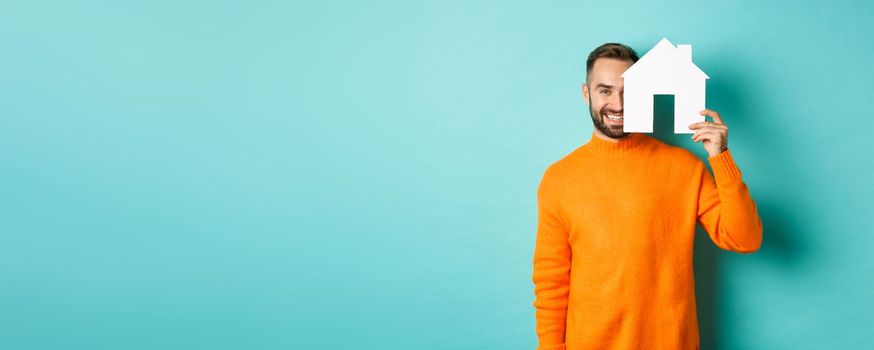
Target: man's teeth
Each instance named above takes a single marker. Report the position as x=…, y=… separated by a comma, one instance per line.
x=614, y=117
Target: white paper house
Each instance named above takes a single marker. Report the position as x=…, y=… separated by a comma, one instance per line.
x=664, y=70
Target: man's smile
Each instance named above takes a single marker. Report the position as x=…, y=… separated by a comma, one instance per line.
x=614, y=119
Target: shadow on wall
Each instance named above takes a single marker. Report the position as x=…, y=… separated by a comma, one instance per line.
x=781, y=244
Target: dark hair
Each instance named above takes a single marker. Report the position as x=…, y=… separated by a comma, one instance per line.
x=610, y=50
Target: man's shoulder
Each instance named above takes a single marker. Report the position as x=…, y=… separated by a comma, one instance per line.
x=565, y=162
x=561, y=168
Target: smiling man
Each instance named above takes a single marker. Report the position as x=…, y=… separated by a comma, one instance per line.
x=616, y=226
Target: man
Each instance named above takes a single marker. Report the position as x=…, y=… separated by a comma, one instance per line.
x=616, y=226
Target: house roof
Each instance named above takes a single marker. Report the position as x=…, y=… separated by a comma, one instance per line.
x=665, y=51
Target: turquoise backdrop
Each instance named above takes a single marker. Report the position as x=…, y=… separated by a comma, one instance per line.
x=362, y=174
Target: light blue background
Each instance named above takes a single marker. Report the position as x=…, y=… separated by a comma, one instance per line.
x=362, y=175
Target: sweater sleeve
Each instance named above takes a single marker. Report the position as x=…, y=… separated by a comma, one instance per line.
x=551, y=276
x=725, y=208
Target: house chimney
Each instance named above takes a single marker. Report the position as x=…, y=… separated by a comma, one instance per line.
x=685, y=51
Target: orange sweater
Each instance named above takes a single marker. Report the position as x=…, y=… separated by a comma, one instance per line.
x=615, y=231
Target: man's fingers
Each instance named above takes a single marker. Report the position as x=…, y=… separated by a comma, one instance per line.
x=711, y=113
x=703, y=135
x=707, y=125
x=713, y=129
x=710, y=127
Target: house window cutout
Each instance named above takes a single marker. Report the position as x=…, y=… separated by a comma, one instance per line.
x=664, y=70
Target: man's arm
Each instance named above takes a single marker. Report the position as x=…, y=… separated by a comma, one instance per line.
x=726, y=209
x=551, y=277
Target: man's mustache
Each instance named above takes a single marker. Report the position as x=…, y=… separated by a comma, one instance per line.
x=611, y=111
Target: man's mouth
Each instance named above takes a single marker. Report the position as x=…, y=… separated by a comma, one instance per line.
x=614, y=118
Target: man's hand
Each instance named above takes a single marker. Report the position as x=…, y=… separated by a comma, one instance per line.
x=713, y=134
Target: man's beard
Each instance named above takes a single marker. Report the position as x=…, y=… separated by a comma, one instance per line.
x=612, y=131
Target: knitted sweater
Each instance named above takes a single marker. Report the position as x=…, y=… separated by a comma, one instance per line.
x=615, y=231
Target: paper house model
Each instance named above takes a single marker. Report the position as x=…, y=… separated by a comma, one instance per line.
x=664, y=70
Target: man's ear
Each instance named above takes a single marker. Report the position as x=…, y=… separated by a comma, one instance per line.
x=586, y=93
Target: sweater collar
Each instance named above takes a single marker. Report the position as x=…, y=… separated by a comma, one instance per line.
x=599, y=146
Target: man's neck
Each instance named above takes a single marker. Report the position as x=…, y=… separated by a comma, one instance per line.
x=602, y=136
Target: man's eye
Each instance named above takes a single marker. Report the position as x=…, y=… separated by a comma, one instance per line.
x=605, y=92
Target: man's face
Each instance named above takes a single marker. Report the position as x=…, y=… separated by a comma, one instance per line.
x=603, y=93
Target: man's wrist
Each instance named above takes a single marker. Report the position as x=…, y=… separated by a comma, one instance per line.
x=711, y=155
